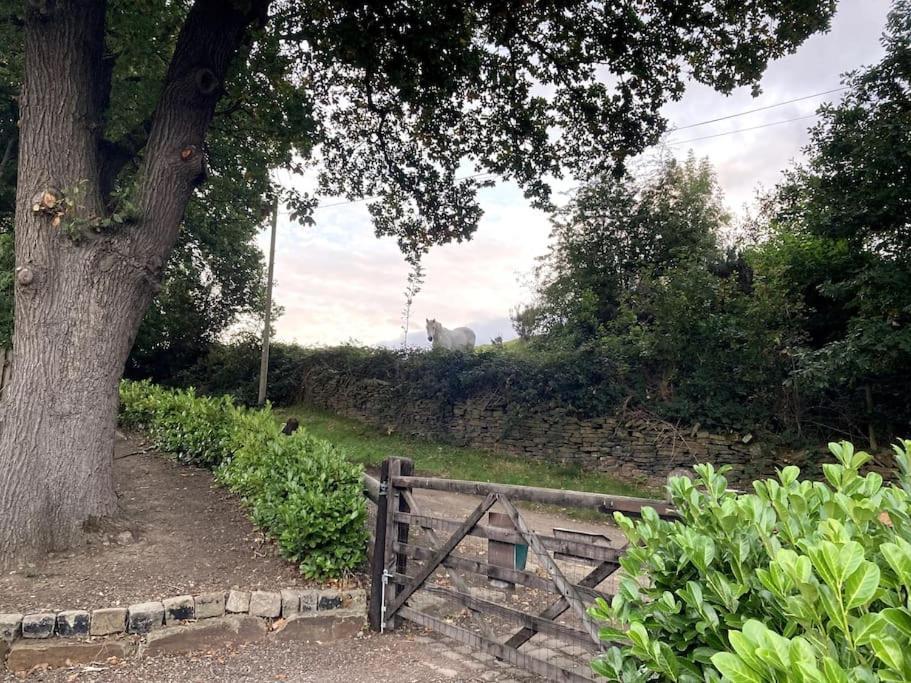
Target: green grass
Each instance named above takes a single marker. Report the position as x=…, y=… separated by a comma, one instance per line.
x=369, y=446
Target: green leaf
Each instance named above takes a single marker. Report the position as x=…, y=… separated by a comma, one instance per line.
x=867, y=628
x=898, y=556
x=745, y=649
x=833, y=672
x=898, y=618
x=861, y=586
x=889, y=652
x=734, y=668
x=638, y=635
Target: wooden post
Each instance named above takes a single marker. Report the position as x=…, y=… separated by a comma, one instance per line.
x=378, y=565
x=501, y=554
x=405, y=468
x=264, y=359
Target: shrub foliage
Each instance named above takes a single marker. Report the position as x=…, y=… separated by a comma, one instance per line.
x=801, y=581
x=298, y=488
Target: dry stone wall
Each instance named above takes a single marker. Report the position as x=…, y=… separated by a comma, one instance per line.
x=632, y=446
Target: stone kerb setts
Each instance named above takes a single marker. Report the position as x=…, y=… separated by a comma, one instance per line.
x=182, y=623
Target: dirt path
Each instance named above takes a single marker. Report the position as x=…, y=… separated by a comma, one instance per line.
x=408, y=657
x=175, y=533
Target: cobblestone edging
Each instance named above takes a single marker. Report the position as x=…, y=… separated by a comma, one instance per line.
x=181, y=623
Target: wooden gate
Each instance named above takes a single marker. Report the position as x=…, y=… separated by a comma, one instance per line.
x=512, y=592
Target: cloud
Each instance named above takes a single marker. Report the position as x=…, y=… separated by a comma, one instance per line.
x=337, y=281
x=757, y=157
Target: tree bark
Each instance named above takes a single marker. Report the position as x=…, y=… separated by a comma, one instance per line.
x=79, y=302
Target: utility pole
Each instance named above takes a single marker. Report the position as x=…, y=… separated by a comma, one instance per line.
x=264, y=361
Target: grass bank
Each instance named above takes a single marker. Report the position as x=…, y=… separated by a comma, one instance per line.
x=369, y=446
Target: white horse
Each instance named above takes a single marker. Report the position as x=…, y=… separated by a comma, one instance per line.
x=459, y=339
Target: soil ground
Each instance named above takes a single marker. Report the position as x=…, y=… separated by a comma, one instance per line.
x=403, y=657
x=175, y=534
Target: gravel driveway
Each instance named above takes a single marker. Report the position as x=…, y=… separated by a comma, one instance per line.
x=405, y=657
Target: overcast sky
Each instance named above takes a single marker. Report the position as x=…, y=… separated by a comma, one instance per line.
x=337, y=282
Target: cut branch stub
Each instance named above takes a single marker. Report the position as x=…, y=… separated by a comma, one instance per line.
x=106, y=262
x=206, y=81
x=45, y=201
x=188, y=152
x=24, y=276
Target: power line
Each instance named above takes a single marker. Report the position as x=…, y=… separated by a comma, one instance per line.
x=742, y=130
x=347, y=201
x=671, y=142
x=753, y=111
x=364, y=199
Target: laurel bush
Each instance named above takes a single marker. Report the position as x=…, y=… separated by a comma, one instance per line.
x=800, y=582
x=298, y=488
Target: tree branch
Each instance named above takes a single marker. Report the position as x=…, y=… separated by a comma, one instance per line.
x=174, y=160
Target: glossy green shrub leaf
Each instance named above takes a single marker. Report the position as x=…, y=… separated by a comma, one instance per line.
x=298, y=488
x=734, y=669
x=800, y=582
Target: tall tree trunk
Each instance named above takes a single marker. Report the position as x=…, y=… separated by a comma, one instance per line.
x=79, y=302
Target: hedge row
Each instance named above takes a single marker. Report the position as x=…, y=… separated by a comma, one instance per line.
x=298, y=488
x=582, y=383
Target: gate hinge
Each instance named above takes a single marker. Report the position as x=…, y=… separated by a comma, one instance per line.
x=386, y=576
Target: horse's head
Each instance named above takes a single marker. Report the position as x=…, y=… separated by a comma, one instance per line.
x=432, y=329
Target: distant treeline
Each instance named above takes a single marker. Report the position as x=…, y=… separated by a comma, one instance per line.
x=796, y=321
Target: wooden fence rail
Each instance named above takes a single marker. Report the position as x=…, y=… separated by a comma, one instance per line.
x=578, y=499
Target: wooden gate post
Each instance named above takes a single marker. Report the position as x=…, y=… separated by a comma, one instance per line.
x=400, y=467
x=378, y=565
x=388, y=533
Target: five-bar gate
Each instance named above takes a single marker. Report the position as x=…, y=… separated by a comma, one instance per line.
x=447, y=571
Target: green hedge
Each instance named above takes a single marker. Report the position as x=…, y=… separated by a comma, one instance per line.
x=585, y=382
x=801, y=582
x=582, y=383
x=298, y=488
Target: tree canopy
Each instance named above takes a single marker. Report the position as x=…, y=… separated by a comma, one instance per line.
x=807, y=327
x=618, y=234
x=402, y=103
x=841, y=226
